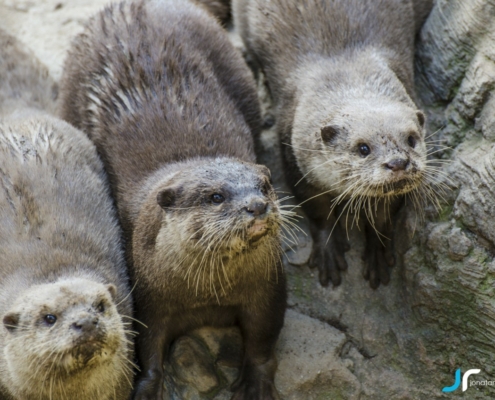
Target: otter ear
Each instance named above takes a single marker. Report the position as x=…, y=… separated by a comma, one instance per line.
x=11, y=321
x=166, y=197
x=265, y=171
x=328, y=133
x=421, y=118
x=113, y=291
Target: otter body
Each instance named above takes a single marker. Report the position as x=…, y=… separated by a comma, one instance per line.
x=63, y=282
x=341, y=76
x=172, y=107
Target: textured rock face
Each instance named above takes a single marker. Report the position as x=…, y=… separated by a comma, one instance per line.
x=205, y=363
x=404, y=340
x=453, y=292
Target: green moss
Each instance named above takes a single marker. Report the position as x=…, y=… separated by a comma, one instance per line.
x=487, y=285
x=445, y=213
x=480, y=255
x=299, y=286
x=333, y=394
x=459, y=223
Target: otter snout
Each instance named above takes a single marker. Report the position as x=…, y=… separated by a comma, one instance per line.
x=397, y=164
x=256, y=207
x=86, y=325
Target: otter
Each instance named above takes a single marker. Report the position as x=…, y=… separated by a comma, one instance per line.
x=64, y=293
x=341, y=77
x=172, y=107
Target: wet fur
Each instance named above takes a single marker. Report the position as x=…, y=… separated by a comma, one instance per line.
x=60, y=248
x=347, y=66
x=172, y=107
x=219, y=8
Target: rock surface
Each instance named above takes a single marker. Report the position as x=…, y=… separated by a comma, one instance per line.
x=404, y=340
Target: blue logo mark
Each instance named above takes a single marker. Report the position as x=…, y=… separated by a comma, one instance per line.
x=457, y=383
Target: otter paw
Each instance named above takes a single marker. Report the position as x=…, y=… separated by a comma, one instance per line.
x=377, y=263
x=248, y=390
x=149, y=388
x=330, y=260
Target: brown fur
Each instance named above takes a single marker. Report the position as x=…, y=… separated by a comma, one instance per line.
x=341, y=75
x=60, y=253
x=219, y=8
x=172, y=108
x=422, y=9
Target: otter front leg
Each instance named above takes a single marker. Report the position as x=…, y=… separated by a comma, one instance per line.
x=328, y=250
x=153, y=345
x=378, y=255
x=260, y=329
x=256, y=381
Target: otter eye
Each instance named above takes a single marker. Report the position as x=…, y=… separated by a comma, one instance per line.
x=411, y=141
x=50, y=319
x=217, y=198
x=100, y=307
x=364, y=149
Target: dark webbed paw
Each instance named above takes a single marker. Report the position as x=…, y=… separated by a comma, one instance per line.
x=330, y=259
x=150, y=387
x=378, y=256
x=252, y=388
x=378, y=259
x=263, y=390
x=256, y=382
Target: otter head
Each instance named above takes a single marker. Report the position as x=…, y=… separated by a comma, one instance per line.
x=368, y=147
x=211, y=212
x=223, y=203
x=60, y=335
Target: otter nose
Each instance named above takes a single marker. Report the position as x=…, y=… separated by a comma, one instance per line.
x=85, y=324
x=256, y=207
x=399, y=164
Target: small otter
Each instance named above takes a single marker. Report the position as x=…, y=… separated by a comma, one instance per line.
x=63, y=284
x=341, y=76
x=171, y=107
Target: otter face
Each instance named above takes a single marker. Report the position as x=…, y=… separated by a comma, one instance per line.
x=220, y=205
x=369, y=148
x=59, y=329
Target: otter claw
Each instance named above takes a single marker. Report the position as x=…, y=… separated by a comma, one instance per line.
x=149, y=389
x=330, y=260
x=264, y=390
x=378, y=261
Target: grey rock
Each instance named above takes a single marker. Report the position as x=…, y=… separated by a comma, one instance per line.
x=192, y=365
x=453, y=34
x=459, y=245
x=310, y=365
